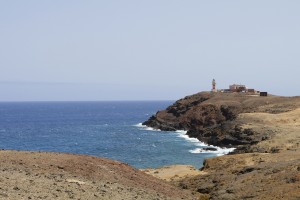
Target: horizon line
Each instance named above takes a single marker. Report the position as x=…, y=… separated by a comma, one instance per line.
x=37, y=101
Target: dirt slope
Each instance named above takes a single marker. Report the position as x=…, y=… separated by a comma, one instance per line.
x=33, y=175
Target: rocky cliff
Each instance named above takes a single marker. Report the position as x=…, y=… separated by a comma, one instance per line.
x=265, y=131
x=268, y=176
x=213, y=117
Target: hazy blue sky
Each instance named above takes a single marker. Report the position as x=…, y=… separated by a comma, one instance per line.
x=146, y=50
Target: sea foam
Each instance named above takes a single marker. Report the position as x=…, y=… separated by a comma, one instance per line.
x=219, y=151
x=200, y=145
x=144, y=127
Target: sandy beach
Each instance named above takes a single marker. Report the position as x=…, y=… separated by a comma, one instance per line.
x=174, y=172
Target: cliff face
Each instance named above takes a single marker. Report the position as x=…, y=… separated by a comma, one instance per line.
x=213, y=117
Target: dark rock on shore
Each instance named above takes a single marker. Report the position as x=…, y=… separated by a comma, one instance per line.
x=209, y=149
x=213, y=117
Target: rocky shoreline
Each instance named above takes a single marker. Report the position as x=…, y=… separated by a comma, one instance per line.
x=265, y=132
x=213, y=118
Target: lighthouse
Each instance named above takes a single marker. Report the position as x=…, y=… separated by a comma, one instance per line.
x=213, y=86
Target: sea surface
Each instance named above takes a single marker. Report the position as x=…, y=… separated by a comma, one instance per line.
x=104, y=129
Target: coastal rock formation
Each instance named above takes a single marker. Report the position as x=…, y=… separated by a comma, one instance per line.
x=35, y=175
x=274, y=175
x=265, y=131
x=213, y=117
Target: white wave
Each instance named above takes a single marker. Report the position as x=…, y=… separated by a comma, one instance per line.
x=219, y=151
x=186, y=137
x=139, y=125
x=197, y=150
x=144, y=127
x=151, y=129
x=183, y=134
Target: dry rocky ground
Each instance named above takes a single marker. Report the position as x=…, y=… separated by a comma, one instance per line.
x=34, y=175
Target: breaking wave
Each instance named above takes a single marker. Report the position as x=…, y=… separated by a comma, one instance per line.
x=218, y=150
x=212, y=149
x=201, y=146
x=144, y=127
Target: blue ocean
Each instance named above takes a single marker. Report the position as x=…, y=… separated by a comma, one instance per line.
x=104, y=129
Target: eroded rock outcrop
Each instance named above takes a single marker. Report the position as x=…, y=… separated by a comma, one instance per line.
x=213, y=117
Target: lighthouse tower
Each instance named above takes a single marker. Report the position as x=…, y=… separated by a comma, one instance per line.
x=214, y=86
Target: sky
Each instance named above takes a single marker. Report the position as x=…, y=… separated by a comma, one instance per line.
x=71, y=50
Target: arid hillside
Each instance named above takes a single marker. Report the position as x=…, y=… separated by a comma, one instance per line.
x=34, y=175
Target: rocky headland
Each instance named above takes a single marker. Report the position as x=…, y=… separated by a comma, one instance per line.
x=217, y=118
x=265, y=132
